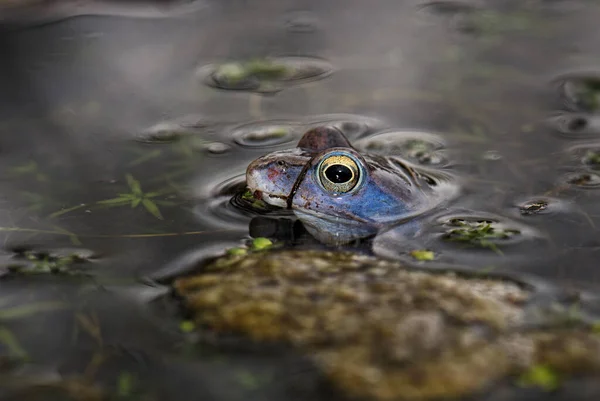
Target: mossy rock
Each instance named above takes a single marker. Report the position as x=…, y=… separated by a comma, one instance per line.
x=380, y=331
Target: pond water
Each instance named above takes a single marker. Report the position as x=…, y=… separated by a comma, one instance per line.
x=122, y=147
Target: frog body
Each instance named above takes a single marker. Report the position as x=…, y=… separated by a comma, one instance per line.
x=341, y=194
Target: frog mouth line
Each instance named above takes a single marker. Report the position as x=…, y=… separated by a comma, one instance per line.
x=338, y=218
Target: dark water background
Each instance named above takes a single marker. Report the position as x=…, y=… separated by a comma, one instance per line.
x=79, y=97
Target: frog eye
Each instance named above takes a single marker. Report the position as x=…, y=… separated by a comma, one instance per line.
x=338, y=173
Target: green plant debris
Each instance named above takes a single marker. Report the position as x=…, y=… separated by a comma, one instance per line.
x=257, y=204
x=261, y=243
x=592, y=158
x=585, y=93
x=135, y=198
x=541, y=376
x=263, y=69
x=238, y=251
x=422, y=254
x=480, y=233
x=262, y=135
x=187, y=326
x=35, y=263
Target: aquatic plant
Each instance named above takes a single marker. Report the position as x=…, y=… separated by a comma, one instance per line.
x=135, y=198
x=479, y=233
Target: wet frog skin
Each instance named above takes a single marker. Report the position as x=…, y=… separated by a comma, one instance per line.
x=340, y=194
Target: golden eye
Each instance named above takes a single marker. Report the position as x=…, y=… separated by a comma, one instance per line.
x=339, y=173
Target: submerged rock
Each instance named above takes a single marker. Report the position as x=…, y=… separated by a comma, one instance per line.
x=380, y=331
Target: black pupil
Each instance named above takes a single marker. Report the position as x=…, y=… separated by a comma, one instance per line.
x=338, y=174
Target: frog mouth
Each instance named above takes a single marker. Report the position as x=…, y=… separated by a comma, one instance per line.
x=338, y=218
x=271, y=199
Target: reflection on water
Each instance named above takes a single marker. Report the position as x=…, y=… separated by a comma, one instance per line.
x=113, y=146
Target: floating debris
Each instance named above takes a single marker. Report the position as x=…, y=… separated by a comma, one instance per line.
x=583, y=179
x=479, y=233
x=533, y=207
x=264, y=75
x=61, y=261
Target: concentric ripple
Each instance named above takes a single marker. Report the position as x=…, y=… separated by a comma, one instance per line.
x=587, y=155
x=542, y=205
x=579, y=91
x=176, y=129
x=264, y=134
x=418, y=146
x=228, y=205
x=582, y=179
x=267, y=75
x=472, y=240
x=576, y=125
x=353, y=126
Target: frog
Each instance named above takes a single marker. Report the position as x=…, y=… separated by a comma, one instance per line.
x=341, y=194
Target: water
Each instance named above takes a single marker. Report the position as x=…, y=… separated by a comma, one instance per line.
x=101, y=107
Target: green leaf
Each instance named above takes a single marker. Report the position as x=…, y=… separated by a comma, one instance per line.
x=135, y=202
x=134, y=184
x=152, y=208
